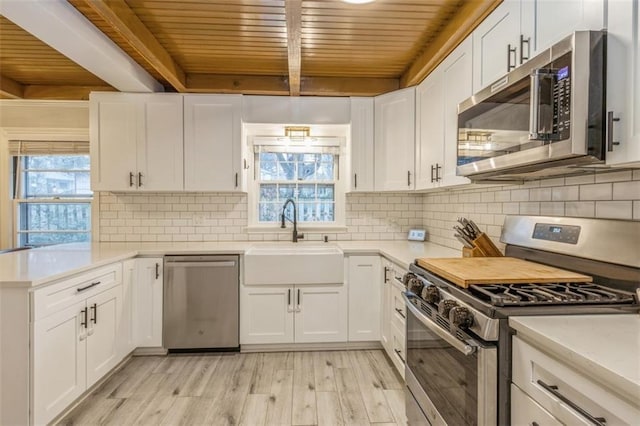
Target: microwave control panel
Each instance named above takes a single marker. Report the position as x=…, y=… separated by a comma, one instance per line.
x=562, y=97
x=559, y=233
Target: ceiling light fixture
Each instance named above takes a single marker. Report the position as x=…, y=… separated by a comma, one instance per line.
x=358, y=1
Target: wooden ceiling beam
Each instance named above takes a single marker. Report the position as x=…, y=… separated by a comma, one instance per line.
x=293, y=13
x=245, y=84
x=10, y=88
x=68, y=93
x=463, y=23
x=347, y=86
x=127, y=24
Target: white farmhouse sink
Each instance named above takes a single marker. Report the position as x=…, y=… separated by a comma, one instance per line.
x=293, y=263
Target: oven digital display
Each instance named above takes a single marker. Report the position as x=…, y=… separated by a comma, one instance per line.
x=561, y=234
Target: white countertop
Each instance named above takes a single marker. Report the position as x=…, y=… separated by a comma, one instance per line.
x=604, y=347
x=31, y=268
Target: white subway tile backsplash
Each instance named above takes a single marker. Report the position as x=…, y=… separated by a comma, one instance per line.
x=599, y=191
x=626, y=190
x=565, y=193
x=614, y=176
x=614, y=209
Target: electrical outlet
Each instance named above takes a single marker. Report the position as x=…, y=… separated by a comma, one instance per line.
x=198, y=219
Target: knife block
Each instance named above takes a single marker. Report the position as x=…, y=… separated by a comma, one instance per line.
x=484, y=247
x=472, y=252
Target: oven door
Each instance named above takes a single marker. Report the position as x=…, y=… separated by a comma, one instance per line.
x=453, y=381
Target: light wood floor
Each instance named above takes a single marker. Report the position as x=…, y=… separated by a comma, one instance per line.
x=288, y=388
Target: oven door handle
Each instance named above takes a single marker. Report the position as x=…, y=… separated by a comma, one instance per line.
x=461, y=346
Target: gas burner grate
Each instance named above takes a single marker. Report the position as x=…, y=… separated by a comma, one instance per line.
x=550, y=294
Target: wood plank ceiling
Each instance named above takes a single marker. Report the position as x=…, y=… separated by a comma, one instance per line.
x=277, y=47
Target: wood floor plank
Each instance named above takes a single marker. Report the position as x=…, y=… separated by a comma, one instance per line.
x=351, y=403
x=304, y=409
x=323, y=372
x=395, y=398
x=280, y=398
x=385, y=371
x=254, y=412
x=329, y=411
x=373, y=397
x=264, y=372
x=286, y=388
x=227, y=406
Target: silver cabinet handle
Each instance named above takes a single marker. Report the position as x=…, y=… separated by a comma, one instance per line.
x=408, y=178
x=84, y=321
x=289, y=297
x=599, y=421
x=355, y=180
x=461, y=346
x=399, y=311
x=386, y=271
x=432, y=169
x=157, y=270
x=438, y=167
x=139, y=179
x=236, y=180
x=522, y=42
x=81, y=289
x=95, y=313
x=131, y=179
x=610, y=120
x=399, y=356
x=510, y=51
x=299, y=301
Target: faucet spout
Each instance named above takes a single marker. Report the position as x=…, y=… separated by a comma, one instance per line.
x=295, y=236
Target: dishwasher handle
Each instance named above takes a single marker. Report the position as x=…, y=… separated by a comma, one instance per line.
x=208, y=264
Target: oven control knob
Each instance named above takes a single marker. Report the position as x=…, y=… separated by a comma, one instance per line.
x=431, y=294
x=445, y=306
x=407, y=277
x=461, y=317
x=415, y=286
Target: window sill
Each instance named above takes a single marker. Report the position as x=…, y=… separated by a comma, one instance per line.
x=275, y=229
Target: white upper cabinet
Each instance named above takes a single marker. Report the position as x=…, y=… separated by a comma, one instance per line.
x=362, y=144
x=519, y=29
x=213, y=154
x=495, y=44
x=296, y=110
x=429, y=130
x=457, y=72
x=136, y=142
x=437, y=99
x=395, y=140
x=623, y=83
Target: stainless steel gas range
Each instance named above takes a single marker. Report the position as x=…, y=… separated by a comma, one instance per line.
x=458, y=366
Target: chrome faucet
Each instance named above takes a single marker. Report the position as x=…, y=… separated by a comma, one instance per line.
x=296, y=236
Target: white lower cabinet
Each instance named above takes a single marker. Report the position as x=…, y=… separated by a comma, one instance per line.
x=363, y=281
x=126, y=328
x=558, y=393
x=147, y=303
x=293, y=314
x=76, y=344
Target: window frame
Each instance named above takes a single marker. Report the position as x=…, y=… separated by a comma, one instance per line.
x=340, y=182
x=20, y=197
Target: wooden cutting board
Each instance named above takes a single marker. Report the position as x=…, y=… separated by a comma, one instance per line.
x=497, y=270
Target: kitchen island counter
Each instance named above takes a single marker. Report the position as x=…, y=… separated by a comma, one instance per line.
x=35, y=267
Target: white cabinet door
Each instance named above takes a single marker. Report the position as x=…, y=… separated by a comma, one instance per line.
x=362, y=144
x=212, y=143
x=546, y=22
x=136, y=142
x=266, y=314
x=525, y=411
x=126, y=323
x=364, y=287
x=113, y=138
x=457, y=70
x=623, y=82
x=496, y=44
x=59, y=362
x=385, y=326
x=429, y=130
x=321, y=313
x=160, y=143
x=147, y=312
x=395, y=140
x=103, y=351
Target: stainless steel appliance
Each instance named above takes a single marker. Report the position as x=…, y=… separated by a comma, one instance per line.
x=201, y=302
x=544, y=118
x=458, y=347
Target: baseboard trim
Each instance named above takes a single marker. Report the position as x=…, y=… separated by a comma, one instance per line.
x=149, y=351
x=296, y=347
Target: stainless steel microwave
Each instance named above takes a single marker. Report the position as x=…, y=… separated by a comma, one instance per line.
x=545, y=118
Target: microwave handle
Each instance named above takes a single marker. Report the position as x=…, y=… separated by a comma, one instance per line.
x=534, y=108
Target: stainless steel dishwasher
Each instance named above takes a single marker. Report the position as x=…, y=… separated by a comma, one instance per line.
x=201, y=302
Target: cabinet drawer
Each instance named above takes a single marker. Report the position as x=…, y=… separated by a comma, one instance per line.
x=525, y=411
x=399, y=308
x=64, y=293
x=398, y=348
x=563, y=391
